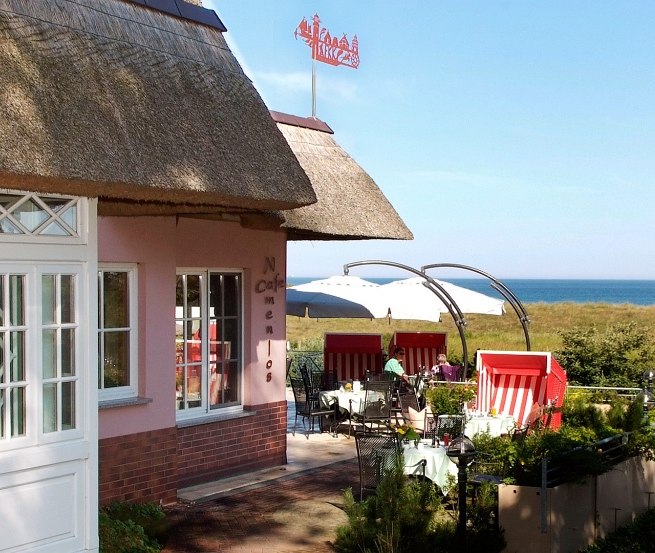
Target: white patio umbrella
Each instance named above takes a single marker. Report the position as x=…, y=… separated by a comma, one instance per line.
x=410, y=299
x=337, y=297
x=353, y=297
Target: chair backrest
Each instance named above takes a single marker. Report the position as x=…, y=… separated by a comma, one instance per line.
x=376, y=454
x=451, y=424
x=377, y=399
x=300, y=395
x=407, y=398
x=330, y=380
x=451, y=373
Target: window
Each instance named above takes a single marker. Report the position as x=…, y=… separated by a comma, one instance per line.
x=208, y=321
x=117, y=332
x=39, y=352
x=38, y=214
x=58, y=333
x=13, y=378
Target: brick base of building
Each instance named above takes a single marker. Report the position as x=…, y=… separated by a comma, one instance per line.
x=151, y=466
x=139, y=467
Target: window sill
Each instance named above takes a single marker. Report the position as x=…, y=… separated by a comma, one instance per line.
x=213, y=417
x=123, y=402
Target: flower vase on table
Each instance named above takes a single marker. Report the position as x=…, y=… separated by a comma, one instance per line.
x=407, y=433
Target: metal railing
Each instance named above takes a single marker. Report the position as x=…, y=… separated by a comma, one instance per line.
x=554, y=470
x=629, y=393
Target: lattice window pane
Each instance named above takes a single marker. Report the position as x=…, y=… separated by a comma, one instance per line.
x=67, y=405
x=49, y=353
x=49, y=408
x=17, y=406
x=55, y=229
x=67, y=352
x=48, y=304
x=67, y=298
x=16, y=308
x=17, y=356
x=117, y=359
x=30, y=215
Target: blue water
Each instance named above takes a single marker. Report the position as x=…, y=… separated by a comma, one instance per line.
x=638, y=292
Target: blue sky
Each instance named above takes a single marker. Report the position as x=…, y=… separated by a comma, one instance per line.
x=514, y=136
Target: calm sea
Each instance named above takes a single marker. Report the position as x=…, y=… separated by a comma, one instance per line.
x=638, y=292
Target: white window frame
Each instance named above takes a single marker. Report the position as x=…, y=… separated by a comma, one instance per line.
x=34, y=431
x=131, y=391
x=204, y=411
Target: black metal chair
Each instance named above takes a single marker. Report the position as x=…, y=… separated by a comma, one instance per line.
x=308, y=408
x=449, y=424
x=407, y=398
x=310, y=381
x=330, y=380
x=375, y=408
x=377, y=454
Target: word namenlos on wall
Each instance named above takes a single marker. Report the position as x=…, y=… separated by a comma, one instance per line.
x=269, y=286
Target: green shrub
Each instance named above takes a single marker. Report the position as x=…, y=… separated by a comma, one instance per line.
x=617, y=357
x=447, y=399
x=126, y=527
x=396, y=519
x=637, y=537
x=406, y=515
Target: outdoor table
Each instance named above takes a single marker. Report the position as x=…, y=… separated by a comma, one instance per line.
x=343, y=399
x=495, y=426
x=438, y=465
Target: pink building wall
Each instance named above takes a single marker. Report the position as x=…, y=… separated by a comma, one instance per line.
x=160, y=245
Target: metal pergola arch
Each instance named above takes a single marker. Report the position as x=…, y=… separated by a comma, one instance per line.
x=497, y=285
x=436, y=289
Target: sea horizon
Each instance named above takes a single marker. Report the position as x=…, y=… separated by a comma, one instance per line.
x=546, y=290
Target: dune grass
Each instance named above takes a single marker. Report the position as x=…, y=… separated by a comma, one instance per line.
x=547, y=320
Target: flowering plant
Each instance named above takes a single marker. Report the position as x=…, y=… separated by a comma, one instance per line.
x=447, y=399
x=406, y=432
x=348, y=387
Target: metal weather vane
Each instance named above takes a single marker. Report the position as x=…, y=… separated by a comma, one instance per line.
x=326, y=49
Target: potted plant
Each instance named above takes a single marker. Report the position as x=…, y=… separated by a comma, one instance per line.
x=447, y=399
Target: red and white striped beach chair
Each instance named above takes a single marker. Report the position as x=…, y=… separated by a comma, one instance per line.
x=421, y=348
x=351, y=355
x=512, y=382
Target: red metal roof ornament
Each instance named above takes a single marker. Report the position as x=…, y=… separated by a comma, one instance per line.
x=327, y=48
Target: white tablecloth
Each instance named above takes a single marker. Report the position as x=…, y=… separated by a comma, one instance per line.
x=495, y=426
x=438, y=465
x=344, y=398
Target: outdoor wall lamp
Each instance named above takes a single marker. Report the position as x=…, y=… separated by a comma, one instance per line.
x=461, y=451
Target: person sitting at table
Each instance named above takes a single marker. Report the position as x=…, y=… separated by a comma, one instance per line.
x=438, y=369
x=394, y=364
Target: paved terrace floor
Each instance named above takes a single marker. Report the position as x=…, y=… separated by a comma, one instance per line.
x=291, y=508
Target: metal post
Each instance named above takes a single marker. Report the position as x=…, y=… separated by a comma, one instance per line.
x=461, y=498
x=313, y=88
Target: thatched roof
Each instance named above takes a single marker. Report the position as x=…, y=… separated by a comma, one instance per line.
x=350, y=205
x=114, y=99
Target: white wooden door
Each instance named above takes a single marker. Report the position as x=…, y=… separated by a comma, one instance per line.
x=48, y=414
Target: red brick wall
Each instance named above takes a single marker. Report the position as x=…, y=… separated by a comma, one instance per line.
x=139, y=467
x=151, y=466
x=211, y=451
